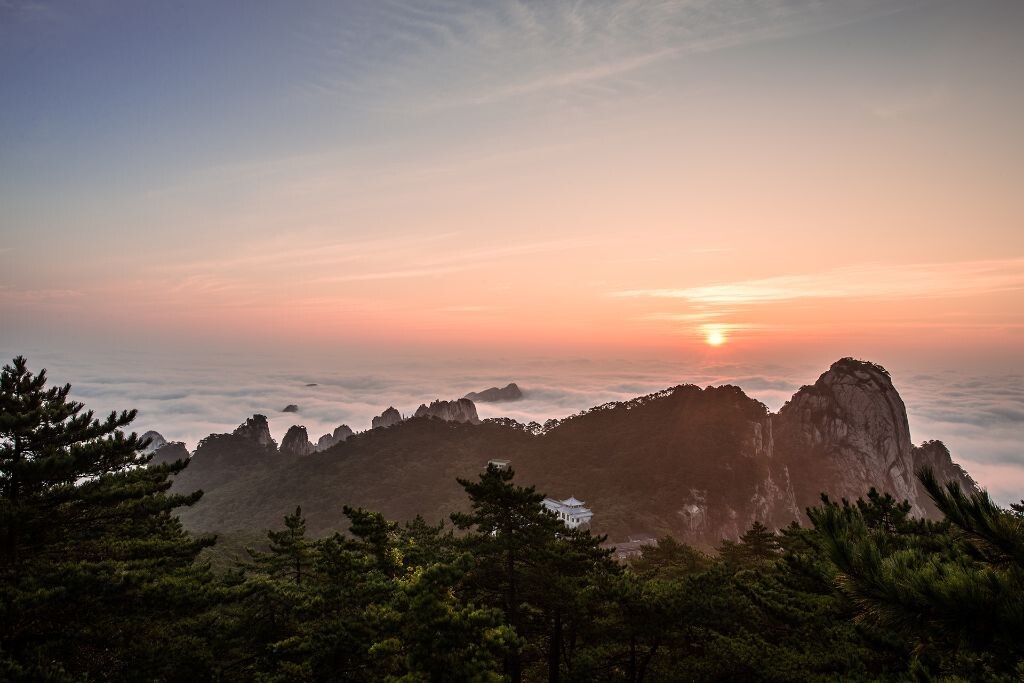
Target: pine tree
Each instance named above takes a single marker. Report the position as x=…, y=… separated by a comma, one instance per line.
x=531, y=566
x=757, y=544
x=956, y=590
x=290, y=554
x=97, y=577
x=510, y=525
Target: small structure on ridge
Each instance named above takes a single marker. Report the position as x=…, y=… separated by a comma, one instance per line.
x=571, y=511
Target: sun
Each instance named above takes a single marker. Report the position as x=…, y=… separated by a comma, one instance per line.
x=715, y=337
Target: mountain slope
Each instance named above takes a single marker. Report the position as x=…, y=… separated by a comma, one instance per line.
x=701, y=464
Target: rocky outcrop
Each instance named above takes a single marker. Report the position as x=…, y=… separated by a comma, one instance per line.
x=256, y=429
x=171, y=451
x=848, y=432
x=328, y=440
x=461, y=410
x=290, y=408
x=389, y=417
x=935, y=456
x=510, y=392
x=296, y=442
x=156, y=442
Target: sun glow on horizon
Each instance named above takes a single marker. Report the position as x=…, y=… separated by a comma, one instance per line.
x=714, y=337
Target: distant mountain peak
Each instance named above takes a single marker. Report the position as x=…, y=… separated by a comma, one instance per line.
x=459, y=410
x=510, y=392
x=326, y=441
x=296, y=441
x=257, y=429
x=389, y=417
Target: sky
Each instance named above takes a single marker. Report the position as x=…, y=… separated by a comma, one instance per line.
x=467, y=190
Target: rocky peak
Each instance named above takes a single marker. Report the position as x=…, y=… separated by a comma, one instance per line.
x=389, y=417
x=935, y=456
x=169, y=452
x=296, y=441
x=256, y=429
x=851, y=427
x=510, y=392
x=460, y=410
x=328, y=440
x=156, y=442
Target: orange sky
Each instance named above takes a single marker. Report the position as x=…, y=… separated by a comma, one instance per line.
x=797, y=177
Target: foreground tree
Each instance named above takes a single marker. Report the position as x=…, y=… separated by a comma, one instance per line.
x=536, y=570
x=97, y=577
x=956, y=591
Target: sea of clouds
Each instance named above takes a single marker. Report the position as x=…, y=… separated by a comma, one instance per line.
x=979, y=416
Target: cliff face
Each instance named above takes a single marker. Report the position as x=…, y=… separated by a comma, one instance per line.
x=257, y=430
x=296, y=442
x=935, y=455
x=846, y=433
x=461, y=410
x=389, y=417
x=326, y=441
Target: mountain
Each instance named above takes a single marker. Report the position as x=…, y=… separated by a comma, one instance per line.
x=700, y=464
x=509, y=392
x=341, y=433
x=156, y=442
x=460, y=410
x=171, y=451
x=257, y=430
x=296, y=442
x=389, y=417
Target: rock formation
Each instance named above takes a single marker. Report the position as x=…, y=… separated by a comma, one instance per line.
x=171, y=451
x=296, y=442
x=460, y=410
x=156, y=442
x=510, y=392
x=290, y=408
x=328, y=440
x=935, y=456
x=256, y=429
x=848, y=432
x=389, y=417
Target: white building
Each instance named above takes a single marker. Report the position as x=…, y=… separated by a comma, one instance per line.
x=572, y=512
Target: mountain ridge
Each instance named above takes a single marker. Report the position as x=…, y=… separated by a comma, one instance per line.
x=700, y=464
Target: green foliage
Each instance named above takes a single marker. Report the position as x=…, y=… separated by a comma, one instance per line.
x=955, y=590
x=89, y=544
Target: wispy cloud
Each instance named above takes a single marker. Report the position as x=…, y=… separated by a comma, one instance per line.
x=867, y=281
x=37, y=296
x=497, y=50
x=463, y=259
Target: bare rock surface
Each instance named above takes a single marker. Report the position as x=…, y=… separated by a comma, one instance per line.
x=460, y=410
x=256, y=429
x=296, y=441
x=389, y=417
x=326, y=441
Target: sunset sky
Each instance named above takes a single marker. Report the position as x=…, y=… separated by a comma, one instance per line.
x=594, y=176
